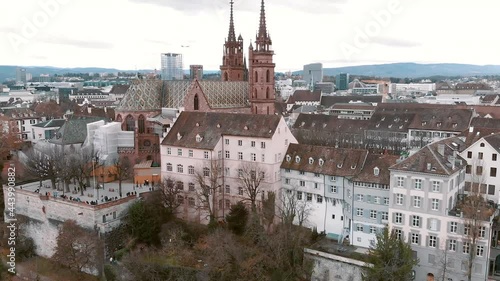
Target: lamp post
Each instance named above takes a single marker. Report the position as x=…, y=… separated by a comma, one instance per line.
x=102, y=179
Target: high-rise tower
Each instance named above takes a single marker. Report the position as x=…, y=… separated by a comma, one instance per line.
x=233, y=63
x=261, y=70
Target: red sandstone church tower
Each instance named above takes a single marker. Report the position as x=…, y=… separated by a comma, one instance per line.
x=261, y=70
x=233, y=66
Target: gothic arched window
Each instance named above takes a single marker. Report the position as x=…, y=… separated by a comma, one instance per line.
x=267, y=92
x=196, y=102
x=268, y=79
x=256, y=76
x=130, y=123
x=142, y=124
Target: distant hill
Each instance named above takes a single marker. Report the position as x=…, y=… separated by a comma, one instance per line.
x=414, y=70
x=9, y=71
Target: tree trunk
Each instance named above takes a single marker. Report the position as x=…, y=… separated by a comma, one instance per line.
x=120, y=187
x=53, y=182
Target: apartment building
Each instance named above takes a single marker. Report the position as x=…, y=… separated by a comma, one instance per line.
x=370, y=200
x=482, y=167
x=231, y=143
x=344, y=191
x=424, y=191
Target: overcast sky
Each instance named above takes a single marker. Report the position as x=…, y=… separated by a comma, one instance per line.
x=130, y=34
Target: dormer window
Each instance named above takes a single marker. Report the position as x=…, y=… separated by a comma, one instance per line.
x=424, y=123
x=321, y=162
x=311, y=160
x=353, y=166
x=438, y=124
x=383, y=118
x=302, y=124
x=245, y=128
x=179, y=136
x=218, y=125
x=199, y=138
x=197, y=124
x=313, y=124
x=376, y=171
x=455, y=125
x=378, y=125
x=324, y=125
x=401, y=127
x=390, y=126
x=339, y=165
x=297, y=159
x=288, y=158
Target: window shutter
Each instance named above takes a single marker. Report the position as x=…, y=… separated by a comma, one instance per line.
x=438, y=225
x=411, y=220
x=448, y=227
x=428, y=223
x=437, y=243
x=429, y=204
x=393, y=217
x=427, y=241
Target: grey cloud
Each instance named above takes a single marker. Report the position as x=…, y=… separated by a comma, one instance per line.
x=394, y=42
x=196, y=6
x=76, y=42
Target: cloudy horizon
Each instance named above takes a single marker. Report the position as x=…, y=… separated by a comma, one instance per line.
x=131, y=34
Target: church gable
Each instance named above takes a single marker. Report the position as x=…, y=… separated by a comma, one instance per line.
x=195, y=99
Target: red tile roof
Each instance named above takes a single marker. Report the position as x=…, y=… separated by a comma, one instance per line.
x=210, y=126
x=336, y=161
x=429, y=156
x=380, y=161
x=306, y=95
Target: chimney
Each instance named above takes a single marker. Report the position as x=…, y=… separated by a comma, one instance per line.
x=471, y=129
x=441, y=149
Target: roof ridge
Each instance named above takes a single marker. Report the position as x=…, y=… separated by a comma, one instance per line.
x=438, y=159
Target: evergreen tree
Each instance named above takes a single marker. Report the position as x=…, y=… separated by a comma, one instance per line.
x=392, y=259
x=237, y=218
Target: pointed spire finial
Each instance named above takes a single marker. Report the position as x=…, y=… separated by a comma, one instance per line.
x=262, y=25
x=232, y=36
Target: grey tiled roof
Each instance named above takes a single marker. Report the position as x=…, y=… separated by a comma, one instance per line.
x=74, y=130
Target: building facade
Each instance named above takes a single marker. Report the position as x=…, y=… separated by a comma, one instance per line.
x=196, y=71
x=313, y=73
x=425, y=191
x=171, y=66
x=342, y=81
x=225, y=143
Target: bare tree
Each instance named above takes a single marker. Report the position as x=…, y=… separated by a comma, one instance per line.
x=170, y=192
x=444, y=263
x=78, y=248
x=292, y=208
x=122, y=169
x=81, y=166
x=476, y=211
x=251, y=176
x=209, y=180
x=43, y=163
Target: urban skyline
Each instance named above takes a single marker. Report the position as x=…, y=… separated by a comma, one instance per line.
x=375, y=32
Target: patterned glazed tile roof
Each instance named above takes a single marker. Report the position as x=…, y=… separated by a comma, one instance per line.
x=142, y=95
x=220, y=94
x=151, y=94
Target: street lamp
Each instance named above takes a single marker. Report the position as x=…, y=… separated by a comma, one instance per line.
x=102, y=179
